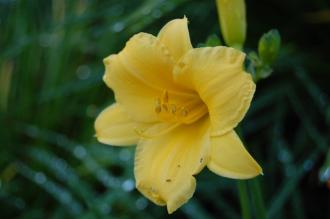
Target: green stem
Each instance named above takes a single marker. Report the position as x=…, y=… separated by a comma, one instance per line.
x=244, y=199
x=256, y=195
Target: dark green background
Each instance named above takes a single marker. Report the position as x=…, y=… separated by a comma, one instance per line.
x=51, y=55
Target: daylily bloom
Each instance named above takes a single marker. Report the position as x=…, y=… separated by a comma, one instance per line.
x=179, y=104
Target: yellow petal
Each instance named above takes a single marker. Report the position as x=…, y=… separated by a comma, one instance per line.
x=165, y=165
x=139, y=74
x=175, y=36
x=218, y=77
x=113, y=126
x=229, y=158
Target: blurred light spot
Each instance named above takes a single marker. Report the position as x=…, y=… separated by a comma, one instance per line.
x=119, y=26
x=125, y=155
x=141, y=203
x=91, y=111
x=128, y=185
x=65, y=197
x=79, y=151
x=284, y=156
x=325, y=175
x=156, y=13
x=40, y=178
x=308, y=164
x=83, y=72
x=61, y=166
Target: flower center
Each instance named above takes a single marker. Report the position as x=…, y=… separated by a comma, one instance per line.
x=182, y=111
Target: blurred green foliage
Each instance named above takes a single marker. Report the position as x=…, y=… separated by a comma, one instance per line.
x=51, y=91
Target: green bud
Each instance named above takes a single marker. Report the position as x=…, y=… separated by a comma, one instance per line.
x=257, y=68
x=269, y=46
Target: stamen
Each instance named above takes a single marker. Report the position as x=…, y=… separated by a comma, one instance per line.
x=169, y=110
x=184, y=111
x=158, y=107
x=165, y=107
x=173, y=108
x=165, y=96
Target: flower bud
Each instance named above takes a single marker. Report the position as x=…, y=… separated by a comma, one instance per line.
x=269, y=46
x=232, y=21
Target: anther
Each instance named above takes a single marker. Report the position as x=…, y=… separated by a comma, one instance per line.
x=158, y=107
x=165, y=96
x=173, y=108
x=183, y=112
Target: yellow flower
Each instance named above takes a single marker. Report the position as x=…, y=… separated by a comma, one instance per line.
x=180, y=106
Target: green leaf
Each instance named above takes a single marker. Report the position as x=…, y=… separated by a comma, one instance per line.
x=213, y=40
x=269, y=46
